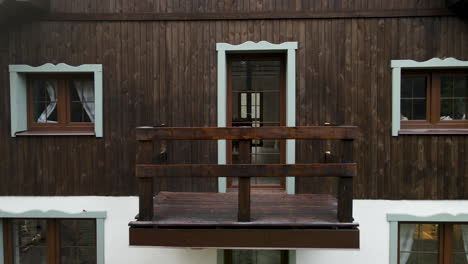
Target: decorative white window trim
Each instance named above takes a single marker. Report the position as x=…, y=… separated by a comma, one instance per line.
x=18, y=92
x=398, y=65
x=394, y=219
x=98, y=216
x=252, y=47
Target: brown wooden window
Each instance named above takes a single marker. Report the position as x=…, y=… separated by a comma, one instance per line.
x=61, y=102
x=434, y=100
x=256, y=98
x=256, y=257
x=433, y=243
x=50, y=241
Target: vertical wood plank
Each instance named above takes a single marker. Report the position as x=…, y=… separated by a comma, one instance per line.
x=345, y=187
x=244, y=183
x=146, y=193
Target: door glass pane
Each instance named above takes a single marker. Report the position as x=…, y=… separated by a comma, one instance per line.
x=256, y=257
x=256, y=102
x=78, y=241
x=413, y=98
x=29, y=241
x=454, y=98
x=44, y=101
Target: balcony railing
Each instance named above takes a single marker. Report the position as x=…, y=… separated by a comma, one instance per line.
x=150, y=138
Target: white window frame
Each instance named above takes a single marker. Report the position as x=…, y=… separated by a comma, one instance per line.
x=18, y=92
x=394, y=219
x=399, y=65
x=252, y=47
x=98, y=216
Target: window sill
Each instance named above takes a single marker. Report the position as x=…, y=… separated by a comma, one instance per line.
x=56, y=133
x=440, y=131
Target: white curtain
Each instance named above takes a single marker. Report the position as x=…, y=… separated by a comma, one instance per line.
x=85, y=90
x=50, y=108
x=464, y=230
x=406, y=240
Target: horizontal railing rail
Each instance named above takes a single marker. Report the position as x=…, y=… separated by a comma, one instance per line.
x=252, y=170
x=146, y=170
x=238, y=133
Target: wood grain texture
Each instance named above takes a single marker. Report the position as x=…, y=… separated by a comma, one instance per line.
x=245, y=238
x=165, y=72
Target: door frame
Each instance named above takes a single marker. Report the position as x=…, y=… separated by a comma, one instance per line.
x=251, y=47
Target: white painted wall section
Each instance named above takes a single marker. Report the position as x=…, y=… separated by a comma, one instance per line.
x=120, y=211
x=370, y=214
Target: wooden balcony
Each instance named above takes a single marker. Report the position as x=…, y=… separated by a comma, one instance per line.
x=244, y=219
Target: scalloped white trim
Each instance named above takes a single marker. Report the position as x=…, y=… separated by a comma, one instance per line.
x=262, y=45
x=52, y=214
x=444, y=217
x=432, y=63
x=61, y=67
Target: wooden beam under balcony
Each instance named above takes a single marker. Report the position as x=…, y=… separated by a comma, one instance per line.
x=239, y=133
x=246, y=238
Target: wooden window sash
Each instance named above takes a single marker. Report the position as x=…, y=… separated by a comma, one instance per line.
x=63, y=105
x=445, y=240
x=53, y=239
x=433, y=95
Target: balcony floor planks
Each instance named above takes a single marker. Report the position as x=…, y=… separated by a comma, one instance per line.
x=267, y=210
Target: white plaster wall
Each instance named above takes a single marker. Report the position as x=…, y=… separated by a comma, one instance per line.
x=374, y=230
x=120, y=210
x=371, y=215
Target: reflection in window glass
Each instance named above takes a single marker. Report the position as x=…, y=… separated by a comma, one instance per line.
x=460, y=244
x=256, y=257
x=419, y=243
x=82, y=101
x=29, y=241
x=78, y=241
x=45, y=98
x=413, y=98
x=453, y=98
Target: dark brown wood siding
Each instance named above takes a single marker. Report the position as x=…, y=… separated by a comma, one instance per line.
x=165, y=72
x=201, y=6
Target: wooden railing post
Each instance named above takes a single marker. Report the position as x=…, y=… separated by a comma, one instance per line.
x=345, y=186
x=146, y=192
x=243, y=214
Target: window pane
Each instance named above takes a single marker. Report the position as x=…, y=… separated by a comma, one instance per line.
x=419, y=109
x=454, y=98
x=460, y=258
x=419, y=243
x=413, y=98
x=78, y=241
x=460, y=238
x=45, y=98
x=82, y=101
x=29, y=241
x=460, y=87
x=422, y=258
x=256, y=257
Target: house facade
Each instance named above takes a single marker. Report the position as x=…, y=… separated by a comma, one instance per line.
x=78, y=77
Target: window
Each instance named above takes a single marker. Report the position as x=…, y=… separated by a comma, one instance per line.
x=434, y=99
x=256, y=257
x=256, y=98
x=433, y=243
x=50, y=241
x=61, y=102
x=429, y=97
x=56, y=100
